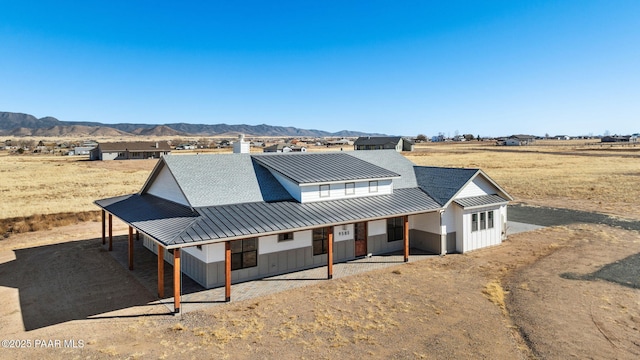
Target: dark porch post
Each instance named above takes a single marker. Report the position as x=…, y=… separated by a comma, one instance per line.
x=110, y=232
x=330, y=253
x=130, y=240
x=103, y=228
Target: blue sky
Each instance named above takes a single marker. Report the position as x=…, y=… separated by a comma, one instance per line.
x=396, y=67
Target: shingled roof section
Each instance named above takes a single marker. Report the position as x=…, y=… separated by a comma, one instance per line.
x=306, y=168
x=442, y=184
x=219, y=179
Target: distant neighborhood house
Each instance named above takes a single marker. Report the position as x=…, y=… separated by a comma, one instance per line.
x=519, y=140
x=618, y=138
x=284, y=148
x=396, y=143
x=130, y=150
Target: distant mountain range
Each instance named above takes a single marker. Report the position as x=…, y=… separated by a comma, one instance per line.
x=18, y=124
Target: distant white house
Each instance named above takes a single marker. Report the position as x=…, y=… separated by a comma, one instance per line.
x=130, y=150
x=284, y=148
x=519, y=140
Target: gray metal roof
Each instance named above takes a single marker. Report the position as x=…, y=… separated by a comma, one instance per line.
x=322, y=167
x=175, y=225
x=235, y=196
x=218, y=179
x=377, y=140
x=391, y=160
x=479, y=201
x=151, y=215
x=442, y=184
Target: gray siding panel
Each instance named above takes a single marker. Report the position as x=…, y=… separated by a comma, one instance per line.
x=378, y=244
x=425, y=241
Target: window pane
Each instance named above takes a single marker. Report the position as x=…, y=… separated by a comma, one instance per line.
x=474, y=222
x=236, y=246
x=250, y=259
x=483, y=224
x=236, y=261
x=490, y=220
x=319, y=247
x=395, y=227
x=319, y=234
x=249, y=244
x=373, y=186
x=285, y=237
x=349, y=188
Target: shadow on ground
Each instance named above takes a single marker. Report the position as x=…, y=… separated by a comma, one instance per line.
x=70, y=281
x=625, y=272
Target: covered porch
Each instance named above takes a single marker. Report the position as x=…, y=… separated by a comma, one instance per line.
x=194, y=297
x=171, y=280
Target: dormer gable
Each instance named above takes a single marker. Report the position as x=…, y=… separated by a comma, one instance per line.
x=313, y=177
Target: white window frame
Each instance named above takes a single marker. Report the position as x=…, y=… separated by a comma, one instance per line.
x=350, y=188
x=325, y=190
x=285, y=237
x=373, y=186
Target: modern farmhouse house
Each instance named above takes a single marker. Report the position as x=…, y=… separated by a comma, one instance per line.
x=234, y=217
x=130, y=150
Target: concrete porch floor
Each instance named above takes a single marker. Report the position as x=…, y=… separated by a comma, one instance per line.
x=195, y=297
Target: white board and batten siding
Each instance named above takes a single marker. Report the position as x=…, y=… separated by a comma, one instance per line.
x=469, y=240
x=270, y=244
x=477, y=187
x=166, y=187
x=377, y=227
x=338, y=190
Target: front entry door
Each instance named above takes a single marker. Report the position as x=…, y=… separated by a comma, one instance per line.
x=361, y=239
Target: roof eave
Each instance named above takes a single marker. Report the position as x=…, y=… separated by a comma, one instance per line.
x=238, y=237
x=484, y=206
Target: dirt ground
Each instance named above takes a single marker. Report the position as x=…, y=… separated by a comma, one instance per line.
x=561, y=292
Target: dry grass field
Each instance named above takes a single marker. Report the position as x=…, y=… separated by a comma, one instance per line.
x=566, y=174
x=558, y=292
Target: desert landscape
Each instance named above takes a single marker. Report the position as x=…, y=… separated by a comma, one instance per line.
x=567, y=291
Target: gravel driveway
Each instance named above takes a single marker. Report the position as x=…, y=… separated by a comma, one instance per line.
x=547, y=216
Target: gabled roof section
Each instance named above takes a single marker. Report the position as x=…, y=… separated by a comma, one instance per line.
x=219, y=179
x=393, y=161
x=377, y=140
x=442, y=184
x=308, y=168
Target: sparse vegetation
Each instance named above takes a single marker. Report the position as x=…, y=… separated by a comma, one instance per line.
x=440, y=307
